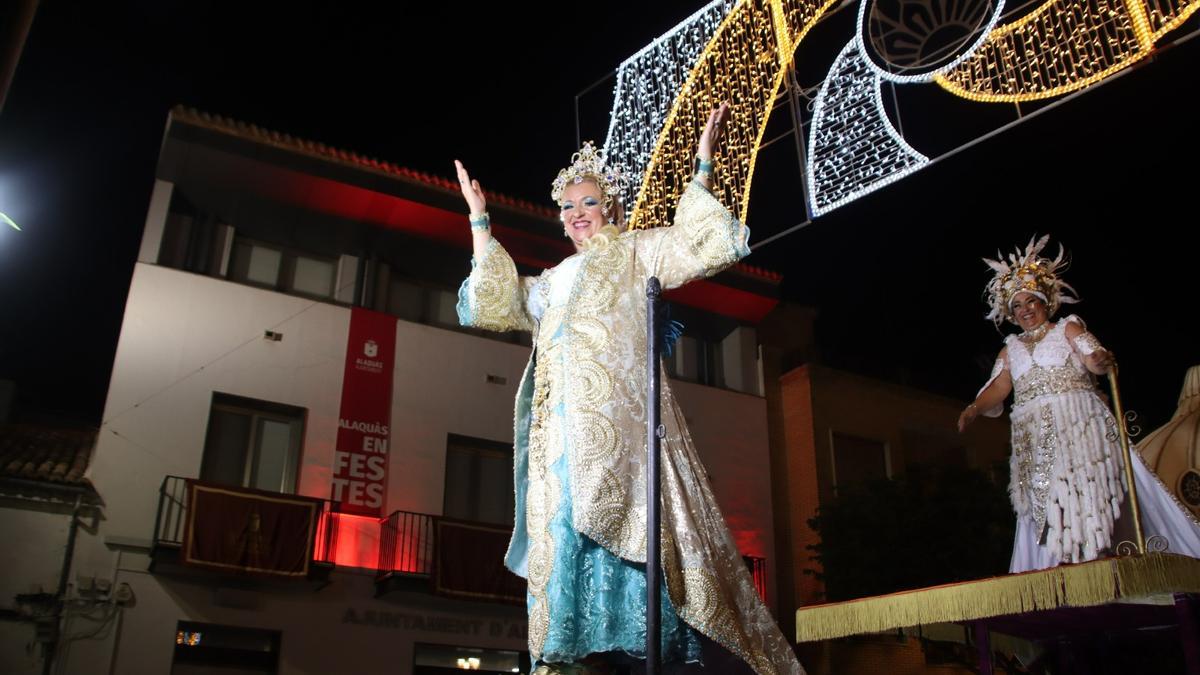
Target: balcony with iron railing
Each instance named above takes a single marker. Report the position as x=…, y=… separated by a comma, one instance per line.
x=205, y=530
x=450, y=557
x=464, y=559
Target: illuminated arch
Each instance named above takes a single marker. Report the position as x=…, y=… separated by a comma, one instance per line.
x=1062, y=46
x=740, y=51
x=745, y=61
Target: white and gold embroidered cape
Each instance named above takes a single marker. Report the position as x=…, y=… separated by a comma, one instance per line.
x=602, y=332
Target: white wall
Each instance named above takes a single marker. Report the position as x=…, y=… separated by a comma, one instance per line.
x=18, y=655
x=185, y=336
x=319, y=633
x=31, y=557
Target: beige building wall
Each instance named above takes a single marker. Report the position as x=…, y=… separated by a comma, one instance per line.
x=912, y=425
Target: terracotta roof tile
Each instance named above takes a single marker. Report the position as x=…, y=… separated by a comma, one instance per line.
x=45, y=454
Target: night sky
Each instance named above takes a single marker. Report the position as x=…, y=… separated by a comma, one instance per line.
x=896, y=277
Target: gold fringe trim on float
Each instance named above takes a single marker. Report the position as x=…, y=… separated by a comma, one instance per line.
x=1154, y=573
x=1082, y=585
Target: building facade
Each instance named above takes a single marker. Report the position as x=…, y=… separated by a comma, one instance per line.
x=832, y=428
x=284, y=494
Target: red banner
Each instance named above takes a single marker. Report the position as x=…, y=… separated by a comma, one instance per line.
x=360, y=457
x=237, y=529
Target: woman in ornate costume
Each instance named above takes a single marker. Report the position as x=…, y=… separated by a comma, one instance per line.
x=580, y=432
x=1067, y=478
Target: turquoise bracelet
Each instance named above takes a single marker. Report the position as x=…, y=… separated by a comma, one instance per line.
x=480, y=221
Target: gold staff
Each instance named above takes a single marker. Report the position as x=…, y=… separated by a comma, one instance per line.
x=1123, y=434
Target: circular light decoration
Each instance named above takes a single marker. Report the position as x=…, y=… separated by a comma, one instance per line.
x=1189, y=488
x=916, y=40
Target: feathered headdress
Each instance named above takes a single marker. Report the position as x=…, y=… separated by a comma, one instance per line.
x=590, y=163
x=1029, y=273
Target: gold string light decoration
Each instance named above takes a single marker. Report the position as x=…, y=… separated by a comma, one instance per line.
x=744, y=63
x=1062, y=46
x=1059, y=47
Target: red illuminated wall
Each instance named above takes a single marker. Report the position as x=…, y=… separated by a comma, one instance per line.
x=355, y=203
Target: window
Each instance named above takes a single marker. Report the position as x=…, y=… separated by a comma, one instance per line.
x=758, y=571
x=193, y=240
x=283, y=269
x=432, y=659
x=681, y=364
x=858, y=460
x=712, y=365
x=252, y=443
x=479, y=483
x=405, y=299
x=443, y=308
x=262, y=264
x=433, y=305
x=696, y=360
x=314, y=277
x=177, y=233
x=422, y=303
x=203, y=648
x=926, y=454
